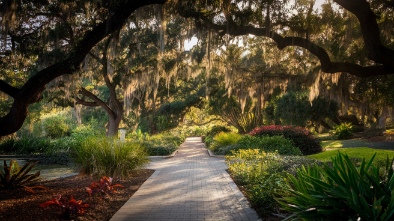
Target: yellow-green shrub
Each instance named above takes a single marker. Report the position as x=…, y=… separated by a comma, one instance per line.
x=224, y=139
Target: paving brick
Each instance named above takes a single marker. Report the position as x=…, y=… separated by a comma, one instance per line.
x=189, y=186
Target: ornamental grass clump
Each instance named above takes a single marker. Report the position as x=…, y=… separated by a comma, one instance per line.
x=101, y=156
x=223, y=139
x=341, y=191
x=213, y=132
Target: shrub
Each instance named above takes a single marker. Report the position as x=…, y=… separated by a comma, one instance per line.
x=301, y=137
x=262, y=175
x=162, y=144
x=224, y=139
x=154, y=150
x=84, y=131
x=7, y=146
x=341, y=191
x=27, y=145
x=268, y=144
x=343, y=131
x=71, y=207
x=104, y=185
x=55, y=127
x=105, y=156
x=213, y=132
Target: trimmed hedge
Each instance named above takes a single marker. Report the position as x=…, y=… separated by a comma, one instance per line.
x=301, y=137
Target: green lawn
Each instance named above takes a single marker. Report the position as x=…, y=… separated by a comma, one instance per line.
x=345, y=143
x=358, y=152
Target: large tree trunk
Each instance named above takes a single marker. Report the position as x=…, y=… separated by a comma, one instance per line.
x=113, y=125
x=382, y=118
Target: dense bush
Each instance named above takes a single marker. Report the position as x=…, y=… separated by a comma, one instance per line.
x=7, y=146
x=343, y=131
x=26, y=145
x=83, y=131
x=341, y=191
x=104, y=156
x=224, y=139
x=263, y=175
x=55, y=126
x=213, y=132
x=47, y=150
x=268, y=144
x=162, y=144
x=158, y=150
x=301, y=137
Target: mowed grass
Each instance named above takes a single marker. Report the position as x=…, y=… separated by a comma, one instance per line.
x=344, y=143
x=356, y=153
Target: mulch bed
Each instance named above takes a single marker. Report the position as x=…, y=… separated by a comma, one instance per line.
x=18, y=204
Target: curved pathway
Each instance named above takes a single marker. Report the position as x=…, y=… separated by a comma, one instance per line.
x=190, y=186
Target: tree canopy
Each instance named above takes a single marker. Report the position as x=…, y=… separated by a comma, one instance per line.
x=44, y=40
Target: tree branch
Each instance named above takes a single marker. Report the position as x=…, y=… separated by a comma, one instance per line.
x=86, y=103
x=96, y=101
x=97, y=58
x=385, y=67
x=8, y=89
x=370, y=30
x=32, y=89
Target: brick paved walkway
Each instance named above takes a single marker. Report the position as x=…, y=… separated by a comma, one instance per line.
x=190, y=186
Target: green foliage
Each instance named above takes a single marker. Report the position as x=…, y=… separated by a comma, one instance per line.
x=263, y=175
x=48, y=150
x=343, y=131
x=7, y=146
x=322, y=109
x=55, y=126
x=212, y=133
x=104, y=156
x=341, y=191
x=290, y=109
x=268, y=144
x=301, y=137
x=162, y=144
x=159, y=144
x=224, y=139
x=85, y=130
x=26, y=145
x=14, y=176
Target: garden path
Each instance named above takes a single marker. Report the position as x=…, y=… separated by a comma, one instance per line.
x=189, y=186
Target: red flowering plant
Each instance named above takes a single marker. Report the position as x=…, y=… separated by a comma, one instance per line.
x=103, y=186
x=70, y=207
x=301, y=137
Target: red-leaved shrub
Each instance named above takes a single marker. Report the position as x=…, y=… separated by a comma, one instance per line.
x=301, y=137
x=70, y=206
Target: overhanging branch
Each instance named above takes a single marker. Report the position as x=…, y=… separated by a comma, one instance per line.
x=8, y=89
x=33, y=88
x=381, y=68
